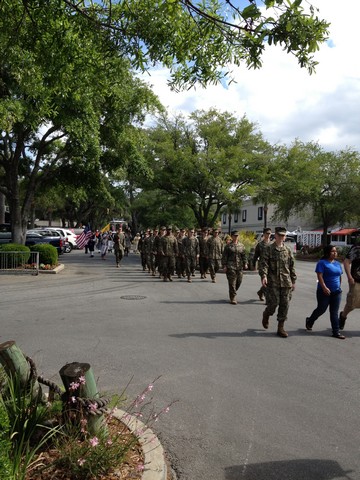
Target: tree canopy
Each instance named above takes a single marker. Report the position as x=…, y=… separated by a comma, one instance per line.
x=304, y=175
x=199, y=40
x=210, y=161
x=66, y=96
x=69, y=102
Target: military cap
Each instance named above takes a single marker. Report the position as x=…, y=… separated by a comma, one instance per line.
x=267, y=230
x=163, y=228
x=234, y=233
x=280, y=230
x=169, y=227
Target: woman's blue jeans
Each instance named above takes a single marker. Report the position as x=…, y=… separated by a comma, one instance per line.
x=323, y=302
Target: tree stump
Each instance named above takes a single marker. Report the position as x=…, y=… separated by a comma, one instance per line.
x=70, y=375
x=16, y=365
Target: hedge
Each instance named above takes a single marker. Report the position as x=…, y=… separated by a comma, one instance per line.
x=48, y=254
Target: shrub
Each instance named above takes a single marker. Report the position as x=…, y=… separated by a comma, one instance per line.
x=14, y=260
x=248, y=239
x=48, y=254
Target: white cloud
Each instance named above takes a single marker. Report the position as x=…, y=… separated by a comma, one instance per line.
x=286, y=101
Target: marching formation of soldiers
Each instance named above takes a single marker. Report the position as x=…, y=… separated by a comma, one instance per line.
x=168, y=254
x=179, y=253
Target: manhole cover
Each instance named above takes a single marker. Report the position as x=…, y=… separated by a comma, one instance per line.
x=133, y=297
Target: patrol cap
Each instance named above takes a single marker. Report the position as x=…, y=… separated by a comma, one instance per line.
x=234, y=233
x=280, y=230
x=169, y=227
x=267, y=230
x=163, y=228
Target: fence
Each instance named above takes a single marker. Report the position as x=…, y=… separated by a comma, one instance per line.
x=19, y=262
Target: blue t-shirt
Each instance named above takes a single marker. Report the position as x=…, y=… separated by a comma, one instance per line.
x=331, y=272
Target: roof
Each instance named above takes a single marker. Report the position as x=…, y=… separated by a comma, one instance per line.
x=345, y=231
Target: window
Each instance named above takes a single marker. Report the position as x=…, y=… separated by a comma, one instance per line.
x=260, y=213
x=236, y=217
x=244, y=215
x=224, y=218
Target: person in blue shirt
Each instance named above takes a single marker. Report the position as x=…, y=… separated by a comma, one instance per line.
x=328, y=293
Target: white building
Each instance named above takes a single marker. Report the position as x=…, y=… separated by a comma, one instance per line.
x=255, y=217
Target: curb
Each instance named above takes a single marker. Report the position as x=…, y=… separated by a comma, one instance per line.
x=55, y=270
x=155, y=465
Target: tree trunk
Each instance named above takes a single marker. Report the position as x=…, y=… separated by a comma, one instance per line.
x=70, y=375
x=16, y=364
x=2, y=208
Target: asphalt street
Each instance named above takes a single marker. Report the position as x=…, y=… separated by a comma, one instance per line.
x=250, y=405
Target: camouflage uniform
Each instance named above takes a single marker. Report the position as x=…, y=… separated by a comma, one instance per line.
x=278, y=266
x=168, y=250
x=258, y=254
x=215, y=250
x=149, y=253
x=204, y=254
x=141, y=247
x=180, y=259
x=234, y=259
x=190, y=246
x=158, y=257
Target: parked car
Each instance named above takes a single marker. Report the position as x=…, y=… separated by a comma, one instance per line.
x=34, y=237
x=5, y=233
x=68, y=236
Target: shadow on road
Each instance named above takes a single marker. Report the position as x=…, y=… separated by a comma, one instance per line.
x=306, y=469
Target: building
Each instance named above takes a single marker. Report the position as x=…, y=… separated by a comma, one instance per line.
x=255, y=217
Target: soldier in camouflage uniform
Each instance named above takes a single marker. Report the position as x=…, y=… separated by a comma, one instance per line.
x=204, y=254
x=215, y=250
x=259, y=252
x=190, y=247
x=119, y=245
x=180, y=259
x=149, y=253
x=277, y=272
x=157, y=239
x=234, y=262
x=168, y=251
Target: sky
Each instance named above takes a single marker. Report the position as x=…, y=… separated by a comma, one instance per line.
x=283, y=99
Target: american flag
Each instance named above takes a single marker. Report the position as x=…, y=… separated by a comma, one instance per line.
x=84, y=237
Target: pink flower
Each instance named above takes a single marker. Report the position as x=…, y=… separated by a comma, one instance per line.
x=82, y=380
x=140, y=467
x=94, y=441
x=81, y=461
x=74, y=386
x=93, y=407
x=73, y=399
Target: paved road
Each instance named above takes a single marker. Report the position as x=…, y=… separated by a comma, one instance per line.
x=251, y=406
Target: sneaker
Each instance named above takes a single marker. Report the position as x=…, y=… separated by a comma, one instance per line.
x=342, y=321
x=308, y=324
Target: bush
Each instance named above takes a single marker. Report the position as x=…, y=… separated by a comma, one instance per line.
x=48, y=254
x=13, y=261
x=248, y=239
